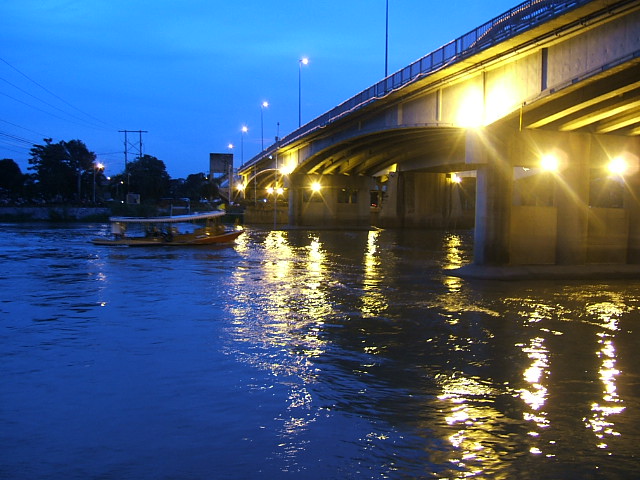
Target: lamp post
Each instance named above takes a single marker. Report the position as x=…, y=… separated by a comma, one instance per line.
x=244, y=130
x=275, y=181
x=264, y=105
x=230, y=174
x=386, y=44
x=302, y=61
x=96, y=166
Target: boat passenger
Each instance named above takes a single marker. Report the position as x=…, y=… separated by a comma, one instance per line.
x=118, y=229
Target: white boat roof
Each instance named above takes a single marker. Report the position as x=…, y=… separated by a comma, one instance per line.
x=168, y=219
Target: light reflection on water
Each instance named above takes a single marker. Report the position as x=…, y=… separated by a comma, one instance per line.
x=601, y=420
x=307, y=354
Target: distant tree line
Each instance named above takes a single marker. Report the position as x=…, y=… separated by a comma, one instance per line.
x=67, y=172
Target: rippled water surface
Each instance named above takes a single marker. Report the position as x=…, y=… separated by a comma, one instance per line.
x=302, y=354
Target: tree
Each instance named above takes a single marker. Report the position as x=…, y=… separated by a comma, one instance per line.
x=62, y=168
x=11, y=178
x=54, y=177
x=197, y=186
x=82, y=161
x=148, y=176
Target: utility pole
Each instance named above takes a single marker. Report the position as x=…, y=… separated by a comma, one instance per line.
x=128, y=146
x=275, y=182
x=386, y=44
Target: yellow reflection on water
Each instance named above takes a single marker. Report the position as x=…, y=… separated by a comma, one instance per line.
x=315, y=300
x=316, y=258
x=373, y=301
x=472, y=424
x=535, y=395
x=278, y=263
x=242, y=243
x=600, y=420
x=454, y=299
x=452, y=251
x=283, y=320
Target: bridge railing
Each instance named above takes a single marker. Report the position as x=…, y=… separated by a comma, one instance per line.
x=522, y=17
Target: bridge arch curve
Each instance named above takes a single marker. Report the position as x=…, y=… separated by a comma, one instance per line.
x=367, y=153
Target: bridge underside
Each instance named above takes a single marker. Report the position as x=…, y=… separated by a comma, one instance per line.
x=417, y=148
x=603, y=104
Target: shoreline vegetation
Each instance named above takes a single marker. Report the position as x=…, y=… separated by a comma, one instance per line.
x=61, y=213
x=72, y=213
x=95, y=214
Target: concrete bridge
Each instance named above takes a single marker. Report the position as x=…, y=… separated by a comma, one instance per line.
x=526, y=128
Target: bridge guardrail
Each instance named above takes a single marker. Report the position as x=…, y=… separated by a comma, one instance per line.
x=511, y=23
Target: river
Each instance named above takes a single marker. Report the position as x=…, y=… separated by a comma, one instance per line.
x=307, y=354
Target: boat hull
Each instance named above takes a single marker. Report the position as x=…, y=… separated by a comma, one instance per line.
x=175, y=241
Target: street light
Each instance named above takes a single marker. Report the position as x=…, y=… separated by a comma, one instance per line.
x=550, y=163
x=386, y=44
x=243, y=130
x=229, y=174
x=617, y=166
x=302, y=61
x=96, y=166
x=316, y=187
x=264, y=105
x=241, y=187
x=276, y=191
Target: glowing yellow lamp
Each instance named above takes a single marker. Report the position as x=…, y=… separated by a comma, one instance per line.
x=549, y=163
x=617, y=166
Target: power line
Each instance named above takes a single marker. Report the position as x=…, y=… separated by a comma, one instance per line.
x=53, y=94
x=42, y=135
x=40, y=109
x=13, y=149
x=16, y=138
x=46, y=103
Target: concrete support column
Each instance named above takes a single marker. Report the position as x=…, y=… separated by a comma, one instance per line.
x=493, y=198
x=390, y=214
x=572, y=198
x=295, y=198
x=632, y=199
x=493, y=212
x=632, y=203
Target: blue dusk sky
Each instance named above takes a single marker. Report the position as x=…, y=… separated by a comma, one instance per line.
x=193, y=72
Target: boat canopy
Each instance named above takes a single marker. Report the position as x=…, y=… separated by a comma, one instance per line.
x=168, y=219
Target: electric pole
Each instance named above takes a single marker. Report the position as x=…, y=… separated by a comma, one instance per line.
x=128, y=146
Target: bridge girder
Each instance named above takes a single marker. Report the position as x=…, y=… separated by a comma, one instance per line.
x=372, y=153
x=606, y=103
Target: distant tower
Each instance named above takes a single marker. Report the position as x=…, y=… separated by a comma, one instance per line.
x=131, y=147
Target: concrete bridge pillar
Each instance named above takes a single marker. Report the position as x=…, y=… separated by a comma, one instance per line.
x=337, y=200
x=498, y=151
x=493, y=196
x=391, y=211
x=572, y=197
x=579, y=213
x=632, y=199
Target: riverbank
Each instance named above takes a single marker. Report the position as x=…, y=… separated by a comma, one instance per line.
x=54, y=214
